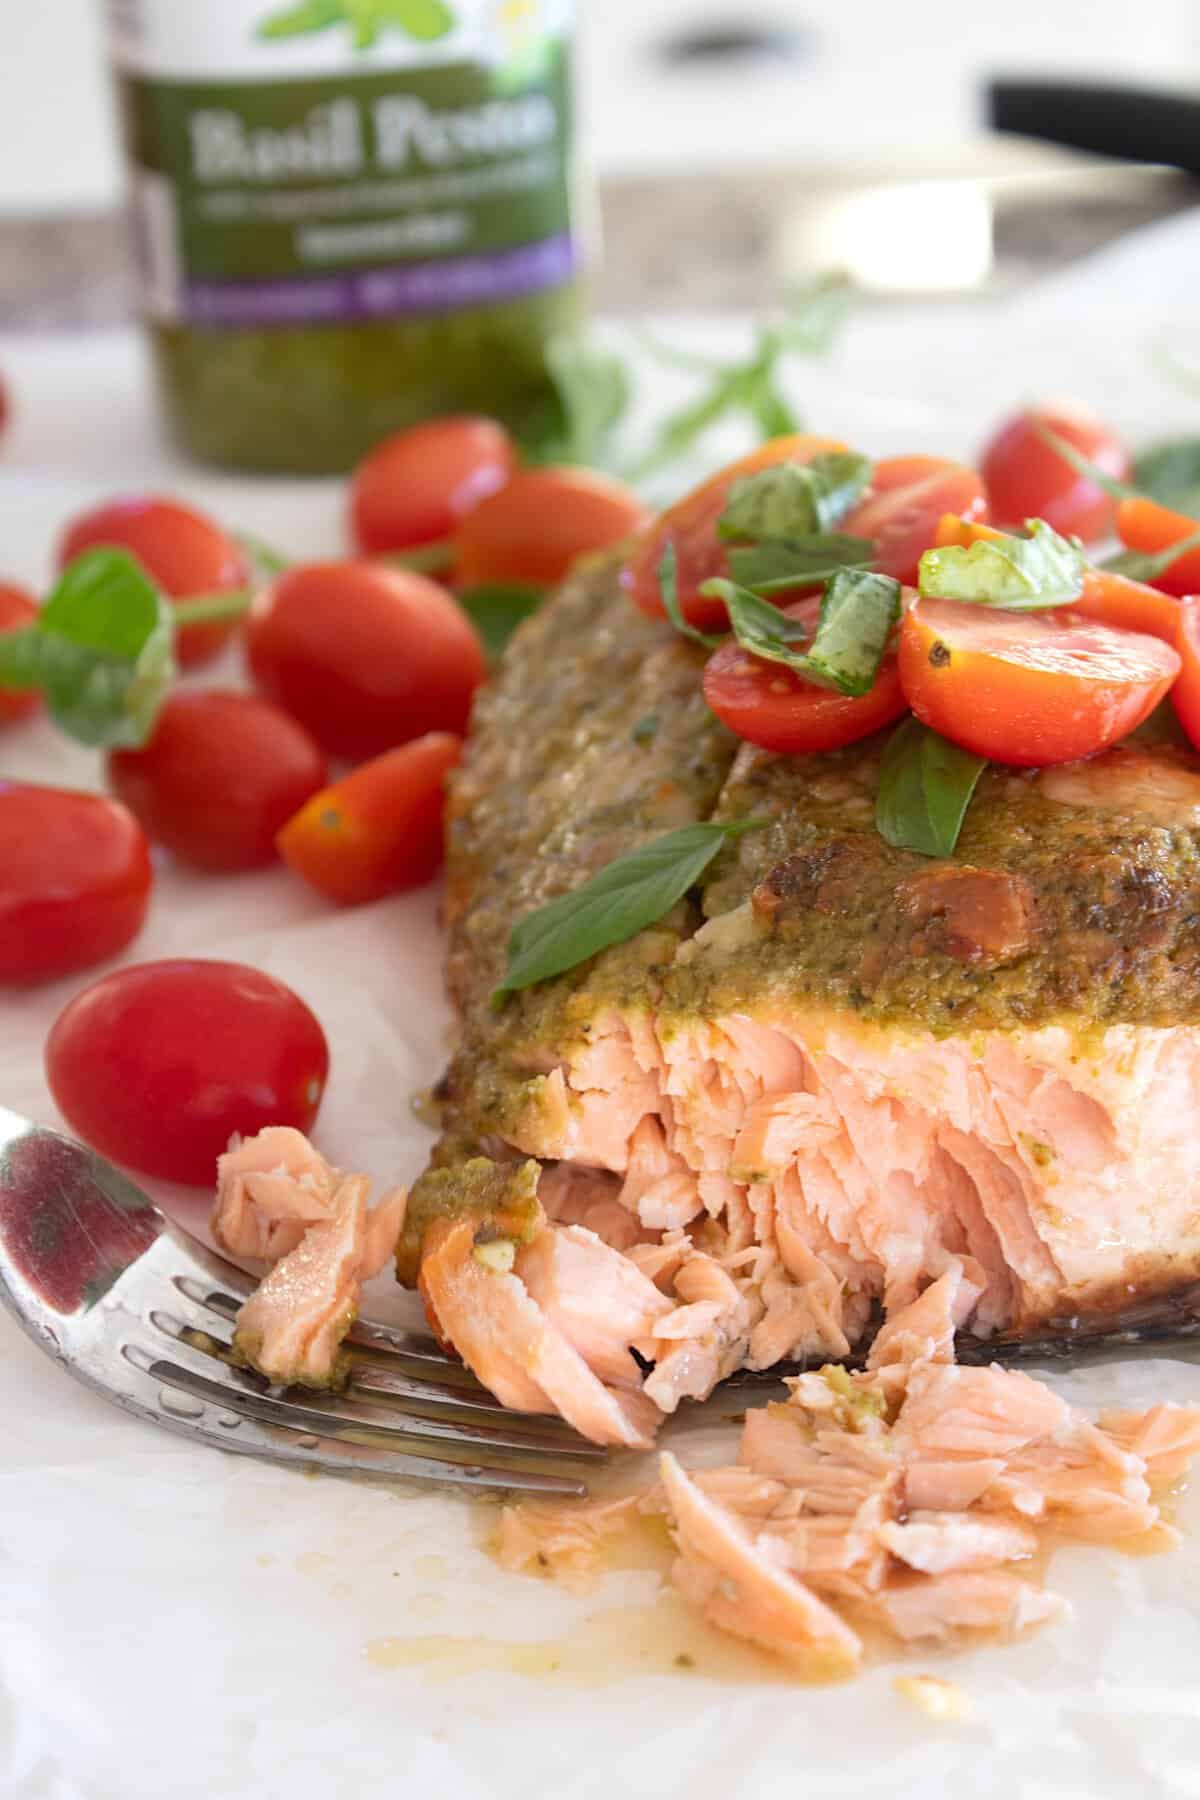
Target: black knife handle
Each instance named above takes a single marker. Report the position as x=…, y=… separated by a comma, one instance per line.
x=1139, y=124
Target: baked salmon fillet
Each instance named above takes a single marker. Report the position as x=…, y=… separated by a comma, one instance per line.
x=761, y=1128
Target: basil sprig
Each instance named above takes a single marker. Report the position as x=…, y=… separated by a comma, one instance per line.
x=925, y=787
x=614, y=905
x=794, y=499
x=858, y=611
x=1018, y=574
x=100, y=650
x=1170, y=474
x=668, y=587
x=779, y=564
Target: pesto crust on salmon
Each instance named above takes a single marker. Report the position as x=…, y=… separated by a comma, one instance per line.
x=832, y=1072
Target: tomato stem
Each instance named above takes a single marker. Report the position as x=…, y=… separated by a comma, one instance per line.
x=212, y=609
x=426, y=559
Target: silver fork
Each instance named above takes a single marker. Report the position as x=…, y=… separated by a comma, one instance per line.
x=129, y=1305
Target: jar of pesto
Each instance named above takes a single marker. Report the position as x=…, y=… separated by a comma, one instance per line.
x=348, y=215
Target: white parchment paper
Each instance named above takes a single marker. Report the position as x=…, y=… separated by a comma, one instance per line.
x=175, y=1623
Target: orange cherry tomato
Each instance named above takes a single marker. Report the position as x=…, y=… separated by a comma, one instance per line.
x=690, y=527
x=414, y=487
x=185, y=553
x=908, y=497
x=768, y=704
x=1029, y=688
x=366, y=656
x=1185, y=695
x=1026, y=478
x=535, y=527
x=1145, y=525
x=377, y=831
x=17, y=609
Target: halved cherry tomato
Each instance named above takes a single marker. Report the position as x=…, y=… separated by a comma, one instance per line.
x=413, y=488
x=1026, y=478
x=159, y=1064
x=365, y=656
x=75, y=881
x=767, y=704
x=379, y=830
x=1185, y=695
x=218, y=778
x=690, y=527
x=1107, y=597
x=1145, y=525
x=909, y=495
x=1028, y=688
x=180, y=549
x=535, y=527
x=17, y=608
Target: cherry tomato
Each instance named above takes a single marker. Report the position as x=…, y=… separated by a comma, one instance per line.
x=1026, y=478
x=1185, y=695
x=379, y=830
x=767, y=704
x=1029, y=688
x=690, y=527
x=535, y=526
x=218, y=778
x=1145, y=525
x=366, y=656
x=413, y=488
x=75, y=881
x=159, y=1064
x=181, y=550
x=909, y=495
x=17, y=608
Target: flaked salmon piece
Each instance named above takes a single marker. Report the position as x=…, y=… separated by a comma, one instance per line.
x=291, y=1327
x=932, y=1609
x=659, y=1188
x=597, y=1298
x=702, y=1340
x=385, y=1221
x=270, y=1188
x=504, y=1336
x=562, y=1541
x=724, y=1572
x=1082, y=1482
x=936, y=1543
x=1166, y=1438
x=590, y=1197
x=924, y=1331
x=950, y=1411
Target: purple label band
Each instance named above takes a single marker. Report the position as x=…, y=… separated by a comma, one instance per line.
x=429, y=287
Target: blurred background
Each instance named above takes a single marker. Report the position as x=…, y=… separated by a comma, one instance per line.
x=764, y=131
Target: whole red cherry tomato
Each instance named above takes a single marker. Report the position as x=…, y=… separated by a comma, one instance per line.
x=218, y=778
x=180, y=549
x=366, y=656
x=1027, y=478
x=75, y=881
x=159, y=1064
x=413, y=488
x=535, y=527
x=17, y=609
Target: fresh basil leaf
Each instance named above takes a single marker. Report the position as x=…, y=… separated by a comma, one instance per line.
x=668, y=587
x=100, y=651
x=1148, y=565
x=769, y=408
x=813, y=316
x=614, y=905
x=780, y=563
x=269, y=560
x=1083, y=465
x=793, y=500
x=858, y=611
x=925, y=787
x=1019, y=574
x=496, y=608
x=1170, y=474
x=591, y=394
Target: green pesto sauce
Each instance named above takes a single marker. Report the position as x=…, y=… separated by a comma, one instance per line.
x=502, y=1196
x=312, y=400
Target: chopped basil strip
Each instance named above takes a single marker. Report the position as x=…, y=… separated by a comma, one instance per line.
x=794, y=499
x=1170, y=474
x=1148, y=565
x=496, y=608
x=780, y=563
x=668, y=587
x=925, y=787
x=614, y=905
x=1019, y=574
x=858, y=611
x=100, y=651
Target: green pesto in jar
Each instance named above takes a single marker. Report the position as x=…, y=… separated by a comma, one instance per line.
x=350, y=215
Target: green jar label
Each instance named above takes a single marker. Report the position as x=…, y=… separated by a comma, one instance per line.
x=338, y=160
